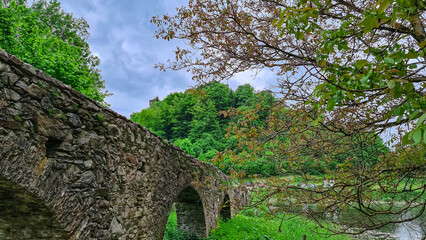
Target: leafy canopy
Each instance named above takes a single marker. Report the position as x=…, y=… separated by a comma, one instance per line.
x=52, y=40
x=196, y=121
x=359, y=64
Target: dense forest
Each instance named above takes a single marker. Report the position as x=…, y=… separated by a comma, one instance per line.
x=194, y=120
x=204, y=122
x=50, y=39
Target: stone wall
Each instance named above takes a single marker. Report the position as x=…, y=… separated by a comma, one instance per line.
x=98, y=175
x=190, y=214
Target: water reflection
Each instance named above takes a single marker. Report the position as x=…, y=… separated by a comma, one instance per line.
x=413, y=230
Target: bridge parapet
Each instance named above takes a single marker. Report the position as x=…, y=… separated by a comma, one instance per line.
x=101, y=175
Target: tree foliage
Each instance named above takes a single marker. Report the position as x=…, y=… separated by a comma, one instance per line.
x=346, y=70
x=52, y=40
x=359, y=63
x=195, y=120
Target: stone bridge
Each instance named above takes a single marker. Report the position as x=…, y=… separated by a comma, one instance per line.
x=72, y=169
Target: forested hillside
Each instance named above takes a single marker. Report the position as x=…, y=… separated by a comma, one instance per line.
x=193, y=120
x=213, y=118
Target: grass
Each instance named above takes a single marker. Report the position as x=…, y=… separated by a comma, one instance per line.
x=258, y=228
x=254, y=228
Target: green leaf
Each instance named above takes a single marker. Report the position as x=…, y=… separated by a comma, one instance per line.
x=406, y=106
x=299, y=35
x=364, y=79
x=412, y=9
x=346, y=24
x=408, y=87
x=361, y=63
x=405, y=139
x=397, y=111
x=388, y=114
x=397, y=91
x=383, y=5
x=280, y=23
x=414, y=114
x=391, y=84
x=417, y=136
x=424, y=136
x=330, y=105
x=369, y=22
x=282, y=12
x=421, y=119
x=320, y=87
x=412, y=54
x=389, y=61
x=402, y=3
x=412, y=66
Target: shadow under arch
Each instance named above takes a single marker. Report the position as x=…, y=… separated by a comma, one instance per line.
x=24, y=216
x=225, y=210
x=190, y=212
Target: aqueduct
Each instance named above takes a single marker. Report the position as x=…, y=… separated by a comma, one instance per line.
x=72, y=169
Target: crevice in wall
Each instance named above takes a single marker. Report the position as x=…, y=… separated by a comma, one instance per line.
x=52, y=146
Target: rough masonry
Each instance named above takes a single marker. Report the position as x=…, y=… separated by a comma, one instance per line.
x=72, y=169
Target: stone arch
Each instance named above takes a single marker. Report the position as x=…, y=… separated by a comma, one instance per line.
x=25, y=216
x=190, y=212
x=225, y=208
x=100, y=175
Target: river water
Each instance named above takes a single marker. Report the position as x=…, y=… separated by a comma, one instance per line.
x=413, y=230
x=410, y=230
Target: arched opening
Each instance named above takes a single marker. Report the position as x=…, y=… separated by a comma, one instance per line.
x=24, y=216
x=225, y=211
x=189, y=212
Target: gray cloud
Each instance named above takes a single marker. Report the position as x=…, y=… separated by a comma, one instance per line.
x=123, y=37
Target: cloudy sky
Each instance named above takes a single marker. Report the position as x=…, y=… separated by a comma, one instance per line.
x=122, y=36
